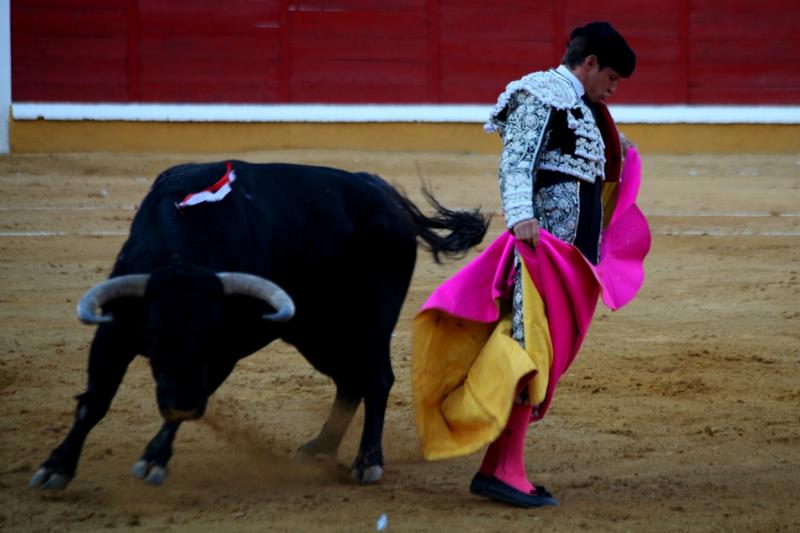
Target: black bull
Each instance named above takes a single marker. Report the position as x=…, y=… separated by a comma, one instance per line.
x=196, y=289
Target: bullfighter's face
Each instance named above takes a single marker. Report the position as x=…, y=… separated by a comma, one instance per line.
x=184, y=317
x=601, y=83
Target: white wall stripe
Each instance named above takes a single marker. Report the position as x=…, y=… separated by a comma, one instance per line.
x=454, y=113
x=251, y=112
x=706, y=114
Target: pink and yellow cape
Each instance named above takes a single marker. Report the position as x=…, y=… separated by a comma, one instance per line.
x=466, y=368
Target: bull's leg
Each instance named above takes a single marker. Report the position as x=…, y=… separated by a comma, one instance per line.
x=368, y=465
x=333, y=430
x=375, y=364
x=152, y=465
x=109, y=357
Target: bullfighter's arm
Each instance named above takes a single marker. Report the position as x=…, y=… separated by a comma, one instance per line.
x=523, y=135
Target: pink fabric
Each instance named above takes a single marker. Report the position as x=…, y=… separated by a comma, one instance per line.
x=472, y=292
x=625, y=242
x=567, y=282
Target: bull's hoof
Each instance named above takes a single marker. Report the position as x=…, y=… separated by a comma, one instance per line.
x=368, y=475
x=313, y=450
x=368, y=466
x=151, y=473
x=48, y=479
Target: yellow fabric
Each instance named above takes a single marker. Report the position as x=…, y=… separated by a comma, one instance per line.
x=608, y=196
x=465, y=375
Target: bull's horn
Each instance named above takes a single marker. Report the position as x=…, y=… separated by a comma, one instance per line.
x=97, y=296
x=250, y=285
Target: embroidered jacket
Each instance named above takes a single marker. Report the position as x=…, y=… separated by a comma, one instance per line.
x=547, y=132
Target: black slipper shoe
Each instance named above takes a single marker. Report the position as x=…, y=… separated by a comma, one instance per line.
x=492, y=487
x=478, y=483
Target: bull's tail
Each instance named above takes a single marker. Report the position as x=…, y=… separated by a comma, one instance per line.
x=463, y=229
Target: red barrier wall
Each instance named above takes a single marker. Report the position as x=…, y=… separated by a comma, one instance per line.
x=390, y=51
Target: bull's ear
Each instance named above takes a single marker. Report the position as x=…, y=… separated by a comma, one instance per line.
x=111, y=289
x=263, y=289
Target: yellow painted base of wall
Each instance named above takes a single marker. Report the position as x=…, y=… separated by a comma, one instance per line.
x=119, y=136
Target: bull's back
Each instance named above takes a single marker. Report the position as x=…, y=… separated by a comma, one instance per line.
x=275, y=213
x=314, y=203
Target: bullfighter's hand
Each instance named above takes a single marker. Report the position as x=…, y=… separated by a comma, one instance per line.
x=626, y=144
x=527, y=231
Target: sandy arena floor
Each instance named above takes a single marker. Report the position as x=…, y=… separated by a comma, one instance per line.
x=682, y=412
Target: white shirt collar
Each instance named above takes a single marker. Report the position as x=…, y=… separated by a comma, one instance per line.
x=576, y=83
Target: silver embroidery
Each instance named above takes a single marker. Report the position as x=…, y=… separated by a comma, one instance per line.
x=559, y=209
x=577, y=167
x=550, y=88
x=517, y=330
x=589, y=160
x=589, y=150
x=522, y=134
x=572, y=122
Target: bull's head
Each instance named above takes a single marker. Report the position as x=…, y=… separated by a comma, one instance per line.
x=183, y=327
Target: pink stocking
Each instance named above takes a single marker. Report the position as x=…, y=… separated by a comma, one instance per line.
x=492, y=453
x=505, y=458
